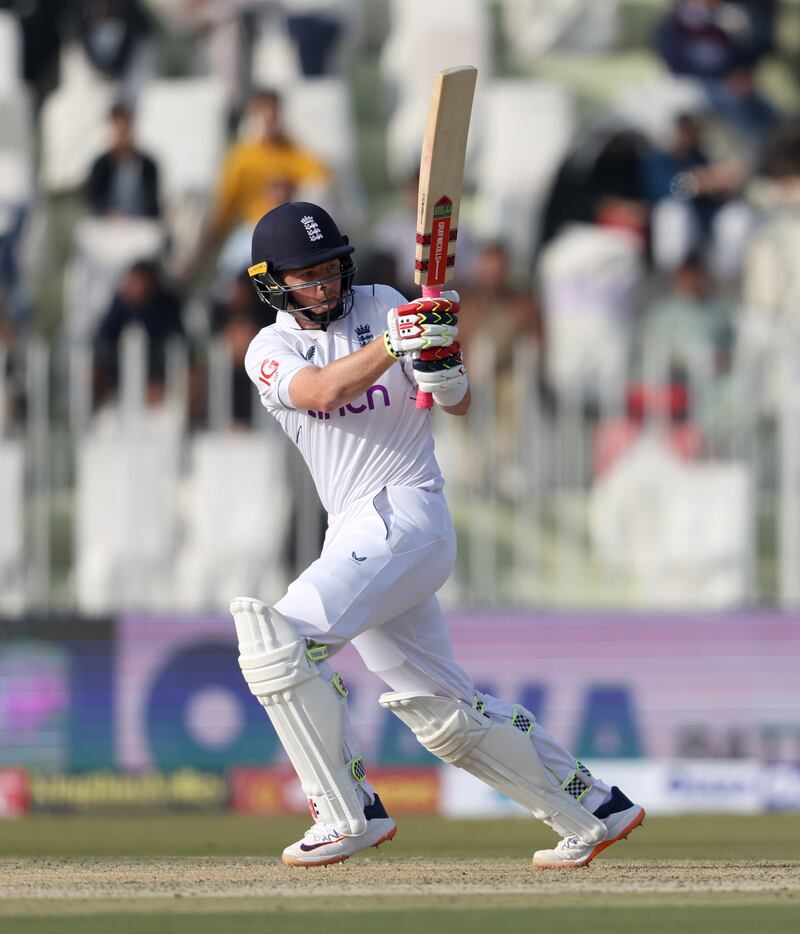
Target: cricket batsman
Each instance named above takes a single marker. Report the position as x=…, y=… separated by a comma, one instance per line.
x=340, y=371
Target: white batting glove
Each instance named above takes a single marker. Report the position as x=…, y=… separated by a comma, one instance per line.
x=444, y=378
x=422, y=324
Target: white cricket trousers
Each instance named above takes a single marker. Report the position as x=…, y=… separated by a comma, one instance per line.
x=375, y=585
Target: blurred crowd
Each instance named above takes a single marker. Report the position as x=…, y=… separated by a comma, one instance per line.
x=663, y=225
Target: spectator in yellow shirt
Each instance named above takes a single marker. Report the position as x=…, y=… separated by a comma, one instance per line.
x=256, y=171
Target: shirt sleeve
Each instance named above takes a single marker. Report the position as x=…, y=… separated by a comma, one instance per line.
x=271, y=364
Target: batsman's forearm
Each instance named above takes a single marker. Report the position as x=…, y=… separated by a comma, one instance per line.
x=326, y=388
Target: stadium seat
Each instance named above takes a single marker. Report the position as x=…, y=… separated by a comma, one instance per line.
x=16, y=122
x=433, y=36
x=16, y=181
x=12, y=522
x=74, y=132
x=526, y=129
x=531, y=28
x=681, y=530
x=103, y=249
x=10, y=53
x=652, y=106
x=319, y=116
x=275, y=63
x=125, y=520
x=20, y=218
x=596, y=81
x=181, y=124
x=236, y=519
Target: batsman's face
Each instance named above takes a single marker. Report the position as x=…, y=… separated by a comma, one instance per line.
x=318, y=287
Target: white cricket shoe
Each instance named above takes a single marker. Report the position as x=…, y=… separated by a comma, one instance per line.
x=619, y=814
x=323, y=844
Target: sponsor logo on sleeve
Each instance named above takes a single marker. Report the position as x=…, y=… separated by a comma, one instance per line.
x=269, y=369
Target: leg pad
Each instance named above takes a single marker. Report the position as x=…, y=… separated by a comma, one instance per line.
x=499, y=754
x=306, y=710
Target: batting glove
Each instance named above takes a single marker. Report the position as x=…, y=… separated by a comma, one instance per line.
x=442, y=373
x=422, y=324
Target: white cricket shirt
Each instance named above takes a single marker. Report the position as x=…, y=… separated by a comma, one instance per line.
x=379, y=439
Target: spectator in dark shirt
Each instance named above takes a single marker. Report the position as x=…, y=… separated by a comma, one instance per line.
x=237, y=318
x=40, y=24
x=686, y=190
x=118, y=37
x=600, y=181
x=143, y=300
x=720, y=44
x=124, y=180
x=12, y=376
x=702, y=38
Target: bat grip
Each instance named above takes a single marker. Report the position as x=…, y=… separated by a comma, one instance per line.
x=425, y=399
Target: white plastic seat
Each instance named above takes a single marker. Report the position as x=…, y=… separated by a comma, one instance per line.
x=681, y=530
x=432, y=36
x=707, y=532
x=319, y=116
x=21, y=213
x=74, y=130
x=236, y=520
x=275, y=62
x=12, y=523
x=126, y=521
x=526, y=129
x=435, y=36
x=652, y=106
x=10, y=52
x=16, y=180
x=180, y=122
x=103, y=249
x=16, y=121
x=531, y=28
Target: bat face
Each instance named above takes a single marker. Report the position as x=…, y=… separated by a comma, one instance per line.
x=441, y=175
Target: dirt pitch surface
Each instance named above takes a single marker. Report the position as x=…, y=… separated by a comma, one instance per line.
x=41, y=886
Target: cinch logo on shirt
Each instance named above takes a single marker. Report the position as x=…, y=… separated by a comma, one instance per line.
x=312, y=227
x=368, y=406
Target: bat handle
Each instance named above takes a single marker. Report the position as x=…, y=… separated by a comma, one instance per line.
x=425, y=399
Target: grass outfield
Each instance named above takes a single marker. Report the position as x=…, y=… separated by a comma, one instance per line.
x=704, y=837
x=186, y=874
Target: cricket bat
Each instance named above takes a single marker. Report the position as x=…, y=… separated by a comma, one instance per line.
x=441, y=174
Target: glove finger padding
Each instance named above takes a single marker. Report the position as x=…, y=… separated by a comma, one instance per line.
x=442, y=373
x=438, y=358
x=424, y=323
